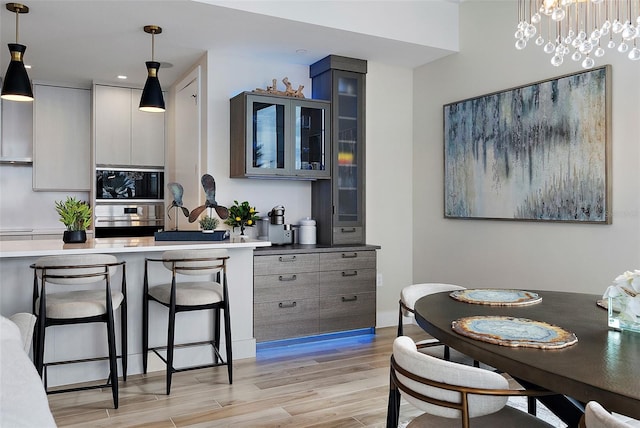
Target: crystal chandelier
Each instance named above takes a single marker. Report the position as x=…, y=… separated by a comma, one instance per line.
x=580, y=29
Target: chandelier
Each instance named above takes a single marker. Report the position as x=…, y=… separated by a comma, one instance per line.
x=580, y=29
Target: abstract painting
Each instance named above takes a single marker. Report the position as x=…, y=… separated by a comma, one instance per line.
x=535, y=152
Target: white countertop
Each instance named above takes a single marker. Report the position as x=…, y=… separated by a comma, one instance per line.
x=46, y=247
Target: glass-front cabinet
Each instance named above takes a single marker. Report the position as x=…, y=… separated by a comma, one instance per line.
x=280, y=137
x=343, y=81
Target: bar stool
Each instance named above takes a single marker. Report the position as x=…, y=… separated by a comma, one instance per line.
x=186, y=296
x=84, y=295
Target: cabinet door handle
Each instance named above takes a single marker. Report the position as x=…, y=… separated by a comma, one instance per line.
x=287, y=305
x=354, y=273
x=287, y=259
x=349, y=256
x=348, y=229
x=349, y=299
x=289, y=278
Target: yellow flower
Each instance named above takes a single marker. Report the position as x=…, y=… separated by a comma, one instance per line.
x=252, y=210
x=249, y=222
x=238, y=218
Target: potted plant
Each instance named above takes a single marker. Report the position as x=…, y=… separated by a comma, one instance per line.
x=76, y=216
x=208, y=224
x=242, y=215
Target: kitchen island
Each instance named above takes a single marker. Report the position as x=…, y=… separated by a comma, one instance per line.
x=71, y=342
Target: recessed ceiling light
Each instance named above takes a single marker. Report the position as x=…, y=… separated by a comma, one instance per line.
x=301, y=51
x=27, y=66
x=122, y=76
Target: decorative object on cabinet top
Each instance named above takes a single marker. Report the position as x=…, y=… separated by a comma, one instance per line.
x=209, y=186
x=288, y=92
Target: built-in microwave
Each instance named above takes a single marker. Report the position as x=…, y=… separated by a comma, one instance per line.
x=129, y=184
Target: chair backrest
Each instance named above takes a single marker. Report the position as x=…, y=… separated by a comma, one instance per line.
x=75, y=269
x=411, y=293
x=596, y=416
x=424, y=368
x=195, y=262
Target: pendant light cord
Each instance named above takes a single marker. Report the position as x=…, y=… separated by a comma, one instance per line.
x=17, y=23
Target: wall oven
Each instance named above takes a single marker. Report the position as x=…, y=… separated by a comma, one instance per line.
x=129, y=202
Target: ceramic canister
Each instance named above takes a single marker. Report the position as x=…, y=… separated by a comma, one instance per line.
x=307, y=231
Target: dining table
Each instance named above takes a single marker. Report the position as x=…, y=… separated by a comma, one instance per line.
x=602, y=365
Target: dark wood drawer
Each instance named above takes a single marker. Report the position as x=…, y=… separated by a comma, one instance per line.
x=347, y=312
x=347, y=281
x=270, y=288
x=285, y=319
x=348, y=260
x=283, y=264
x=348, y=235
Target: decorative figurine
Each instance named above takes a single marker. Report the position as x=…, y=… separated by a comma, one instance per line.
x=177, y=191
x=288, y=92
x=209, y=186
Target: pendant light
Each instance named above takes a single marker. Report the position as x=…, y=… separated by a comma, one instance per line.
x=16, y=85
x=152, y=99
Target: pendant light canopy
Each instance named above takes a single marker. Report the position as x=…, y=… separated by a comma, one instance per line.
x=16, y=85
x=152, y=99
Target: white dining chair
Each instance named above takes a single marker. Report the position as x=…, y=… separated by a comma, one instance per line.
x=452, y=394
x=596, y=416
x=409, y=295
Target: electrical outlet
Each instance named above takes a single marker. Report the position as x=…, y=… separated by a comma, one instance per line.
x=379, y=280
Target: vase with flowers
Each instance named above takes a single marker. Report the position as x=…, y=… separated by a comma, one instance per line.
x=623, y=298
x=242, y=215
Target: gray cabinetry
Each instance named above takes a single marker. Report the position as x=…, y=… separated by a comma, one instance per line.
x=285, y=296
x=342, y=80
x=347, y=290
x=302, y=294
x=279, y=137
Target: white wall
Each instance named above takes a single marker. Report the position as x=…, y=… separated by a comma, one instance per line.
x=227, y=76
x=389, y=172
x=533, y=255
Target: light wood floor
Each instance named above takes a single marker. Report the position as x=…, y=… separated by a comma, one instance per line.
x=341, y=384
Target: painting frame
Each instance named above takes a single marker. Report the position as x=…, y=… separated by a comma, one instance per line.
x=537, y=152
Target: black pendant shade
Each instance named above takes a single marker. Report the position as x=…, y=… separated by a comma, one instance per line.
x=152, y=99
x=16, y=85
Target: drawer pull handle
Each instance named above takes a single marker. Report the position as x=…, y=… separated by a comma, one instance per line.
x=290, y=278
x=349, y=256
x=354, y=273
x=348, y=230
x=349, y=299
x=287, y=259
x=287, y=305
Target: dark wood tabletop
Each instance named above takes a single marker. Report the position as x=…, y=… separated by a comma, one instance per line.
x=604, y=365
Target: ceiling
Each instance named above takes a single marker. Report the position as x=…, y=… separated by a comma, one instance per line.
x=81, y=41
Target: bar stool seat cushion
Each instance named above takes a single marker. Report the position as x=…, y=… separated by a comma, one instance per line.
x=189, y=293
x=79, y=304
x=411, y=293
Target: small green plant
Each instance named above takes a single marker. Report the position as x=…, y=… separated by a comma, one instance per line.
x=74, y=214
x=208, y=223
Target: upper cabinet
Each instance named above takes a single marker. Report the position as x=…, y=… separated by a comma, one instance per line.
x=279, y=137
x=124, y=135
x=61, y=138
x=342, y=80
